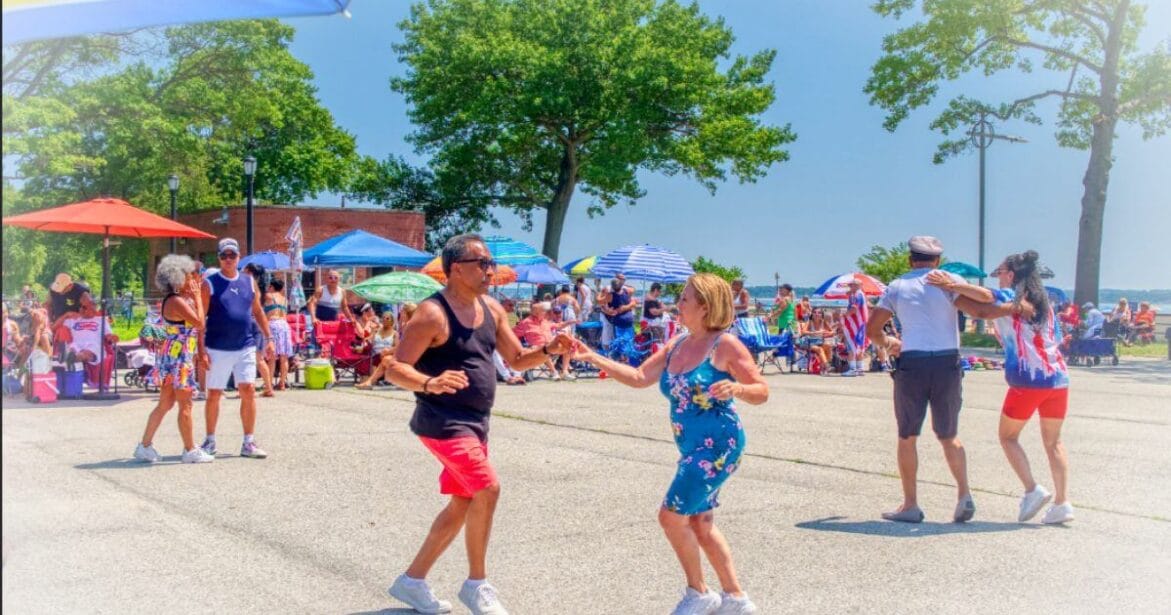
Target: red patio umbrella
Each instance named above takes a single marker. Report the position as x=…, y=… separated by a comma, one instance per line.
x=104, y=217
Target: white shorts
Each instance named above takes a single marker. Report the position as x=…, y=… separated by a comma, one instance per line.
x=224, y=363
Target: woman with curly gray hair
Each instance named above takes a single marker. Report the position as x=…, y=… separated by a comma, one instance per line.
x=182, y=312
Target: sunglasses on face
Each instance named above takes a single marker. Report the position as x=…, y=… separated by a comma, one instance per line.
x=485, y=263
x=229, y=256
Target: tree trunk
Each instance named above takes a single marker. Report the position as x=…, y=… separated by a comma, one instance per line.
x=1097, y=177
x=559, y=206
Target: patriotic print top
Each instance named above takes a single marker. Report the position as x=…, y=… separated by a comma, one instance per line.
x=1032, y=358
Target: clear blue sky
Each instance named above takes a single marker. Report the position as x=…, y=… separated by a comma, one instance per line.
x=849, y=184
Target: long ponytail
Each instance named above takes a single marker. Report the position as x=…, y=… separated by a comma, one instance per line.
x=1026, y=282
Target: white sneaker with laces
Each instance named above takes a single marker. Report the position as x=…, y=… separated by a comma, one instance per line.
x=197, y=455
x=695, y=603
x=416, y=594
x=1033, y=502
x=1058, y=513
x=481, y=599
x=731, y=605
x=146, y=453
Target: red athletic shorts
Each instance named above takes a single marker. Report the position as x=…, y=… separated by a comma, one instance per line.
x=1020, y=403
x=466, y=469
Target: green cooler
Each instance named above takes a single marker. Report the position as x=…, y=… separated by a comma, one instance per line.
x=318, y=374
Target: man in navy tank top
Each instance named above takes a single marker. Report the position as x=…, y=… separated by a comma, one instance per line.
x=445, y=357
x=231, y=300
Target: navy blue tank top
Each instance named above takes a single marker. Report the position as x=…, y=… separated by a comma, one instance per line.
x=229, y=313
x=617, y=300
x=463, y=413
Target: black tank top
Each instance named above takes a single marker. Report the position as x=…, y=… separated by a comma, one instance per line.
x=464, y=413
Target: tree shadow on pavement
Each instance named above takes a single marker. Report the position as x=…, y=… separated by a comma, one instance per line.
x=909, y=530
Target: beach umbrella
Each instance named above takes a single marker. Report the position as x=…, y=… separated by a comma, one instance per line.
x=837, y=287
x=541, y=273
x=644, y=262
x=508, y=251
x=397, y=287
x=26, y=20
x=271, y=260
x=104, y=217
x=504, y=274
x=583, y=266
x=1056, y=295
x=964, y=270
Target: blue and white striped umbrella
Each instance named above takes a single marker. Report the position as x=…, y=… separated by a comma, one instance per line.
x=507, y=251
x=644, y=262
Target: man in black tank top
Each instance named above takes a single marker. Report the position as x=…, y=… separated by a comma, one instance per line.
x=445, y=357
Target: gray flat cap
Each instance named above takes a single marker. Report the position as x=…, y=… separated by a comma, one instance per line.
x=925, y=244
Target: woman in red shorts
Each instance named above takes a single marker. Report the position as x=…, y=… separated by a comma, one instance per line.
x=1038, y=380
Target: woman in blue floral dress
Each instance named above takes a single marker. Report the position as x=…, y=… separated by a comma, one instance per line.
x=181, y=318
x=701, y=374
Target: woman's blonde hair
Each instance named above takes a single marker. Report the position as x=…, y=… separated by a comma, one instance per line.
x=407, y=310
x=715, y=294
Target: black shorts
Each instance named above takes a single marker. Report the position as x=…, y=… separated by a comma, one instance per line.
x=923, y=380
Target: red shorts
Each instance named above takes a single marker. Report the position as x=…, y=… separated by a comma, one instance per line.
x=1020, y=403
x=466, y=469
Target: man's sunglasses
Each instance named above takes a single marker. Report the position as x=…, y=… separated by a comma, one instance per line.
x=229, y=256
x=485, y=263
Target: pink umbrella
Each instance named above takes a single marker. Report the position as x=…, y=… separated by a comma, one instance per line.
x=838, y=286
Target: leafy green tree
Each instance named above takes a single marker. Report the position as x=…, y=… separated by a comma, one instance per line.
x=885, y=264
x=528, y=99
x=1088, y=47
x=115, y=116
x=703, y=264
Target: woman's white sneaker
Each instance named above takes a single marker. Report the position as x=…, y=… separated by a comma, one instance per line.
x=197, y=455
x=481, y=598
x=146, y=453
x=695, y=603
x=1033, y=502
x=416, y=594
x=1058, y=513
x=731, y=605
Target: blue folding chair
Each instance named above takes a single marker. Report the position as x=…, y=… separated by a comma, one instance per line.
x=765, y=347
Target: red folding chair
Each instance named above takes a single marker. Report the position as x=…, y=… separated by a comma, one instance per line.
x=350, y=354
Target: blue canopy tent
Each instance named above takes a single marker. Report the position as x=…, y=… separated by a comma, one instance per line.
x=42, y=19
x=361, y=249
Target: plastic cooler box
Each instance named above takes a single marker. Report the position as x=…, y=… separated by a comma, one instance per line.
x=70, y=384
x=44, y=388
x=318, y=374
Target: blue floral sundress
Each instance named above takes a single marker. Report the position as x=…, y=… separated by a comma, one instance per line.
x=708, y=433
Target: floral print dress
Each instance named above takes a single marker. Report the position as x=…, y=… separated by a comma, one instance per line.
x=176, y=355
x=708, y=433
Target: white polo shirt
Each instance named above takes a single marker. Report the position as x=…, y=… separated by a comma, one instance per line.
x=927, y=313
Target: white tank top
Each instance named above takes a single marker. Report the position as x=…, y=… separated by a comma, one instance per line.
x=334, y=300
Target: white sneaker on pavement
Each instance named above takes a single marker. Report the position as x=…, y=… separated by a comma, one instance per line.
x=1058, y=513
x=416, y=594
x=197, y=455
x=1033, y=502
x=146, y=453
x=481, y=599
x=731, y=605
x=695, y=603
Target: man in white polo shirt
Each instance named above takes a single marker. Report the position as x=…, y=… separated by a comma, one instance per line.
x=927, y=372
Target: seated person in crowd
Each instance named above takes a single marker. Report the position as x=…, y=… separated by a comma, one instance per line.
x=82, y=334
x=12, y=338
x=818, y=327
x=64, y=300
x=506, y=374
x=1093, y=320
x=1143, y=323
x=804, y=310
x=382, y=343
x=536, y=330
x=368, y=323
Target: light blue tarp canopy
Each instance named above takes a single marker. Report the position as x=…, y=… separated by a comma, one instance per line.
x=644, y=262
x=361, y=249
x=508, y=251
x=964, y=270
x=540, y=273
x=270, y=260
x=42, y=19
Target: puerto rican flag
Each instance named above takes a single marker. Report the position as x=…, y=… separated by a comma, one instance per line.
x=854, y=322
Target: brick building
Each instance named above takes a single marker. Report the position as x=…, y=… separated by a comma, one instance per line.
x=271, y=222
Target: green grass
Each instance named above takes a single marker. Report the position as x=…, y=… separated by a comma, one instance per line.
x=978, y=340
x=1157, y=350
x=128, y=330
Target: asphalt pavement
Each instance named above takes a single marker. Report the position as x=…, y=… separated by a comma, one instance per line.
x=337, y=510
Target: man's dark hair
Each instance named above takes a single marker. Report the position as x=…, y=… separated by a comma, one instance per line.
x=564, y=290
x=787, y=286
x=917, y=257
x=277, y=285
x=656, y=286
x=456, y=249
x=581, y=279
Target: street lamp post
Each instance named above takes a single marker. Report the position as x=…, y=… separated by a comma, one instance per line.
x=982, y=135
x=250, y=173
x=173, y=184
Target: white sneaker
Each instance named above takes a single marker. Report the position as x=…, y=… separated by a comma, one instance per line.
x=146, y=453
x=1058, y=513
x=731, y=605
x=197, y=455
x=416, y=594
x=695, y=603
x=1033, y=502
x=481, y=599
